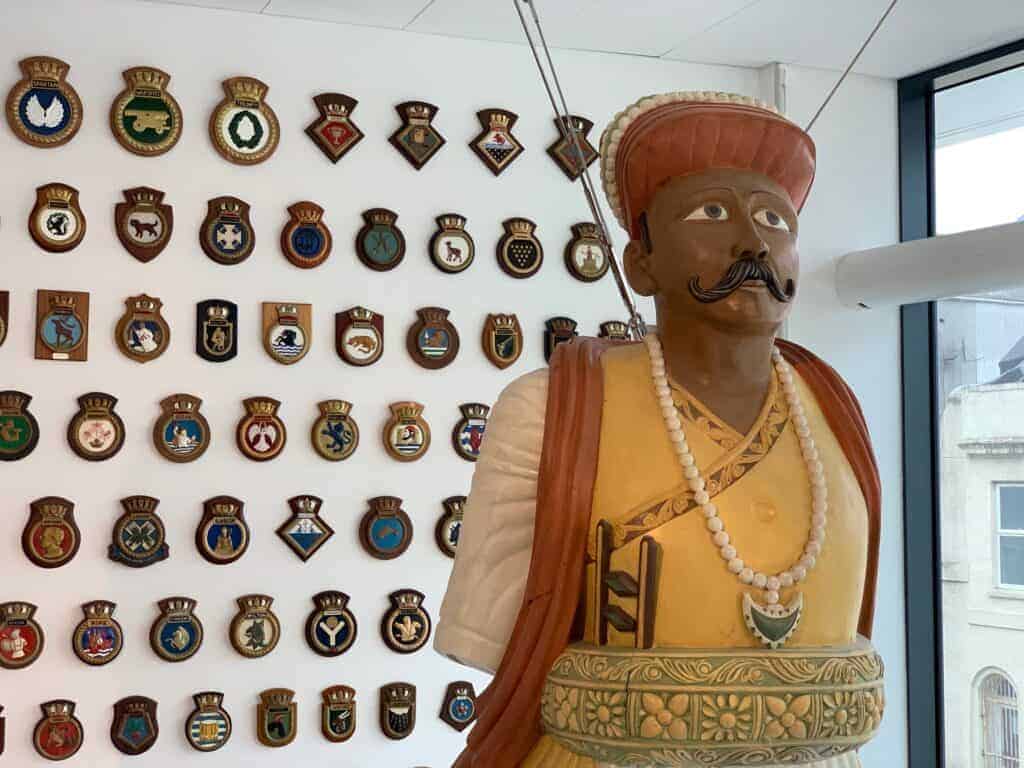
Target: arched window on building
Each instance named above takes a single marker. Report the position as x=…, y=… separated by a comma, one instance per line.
x=1000, y=730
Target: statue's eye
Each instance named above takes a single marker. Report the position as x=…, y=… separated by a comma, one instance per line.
x=770, y=218
x=708, y=212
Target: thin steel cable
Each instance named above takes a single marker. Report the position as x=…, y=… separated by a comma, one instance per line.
x=852, y=64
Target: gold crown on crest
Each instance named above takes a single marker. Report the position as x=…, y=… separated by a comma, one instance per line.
x=287, y=312
x=146, y=77
x=399, y=693
x=247, y=88
x=99, y=609
x=60, y=708
x=455, y=505
x=184, y=404
x=505, y=322
x=521, y=227
x=277, y=697
x=144, y=303
x=586, y=229
x=418, y=111
x=17, y=611
x=406, y=410
x=224, y=506
x=385, y=505
x=59, y=193
x=562, y=325
x=138, y=504
x=306, y=505
x=335, y=407
x=362, y=314
x=381, y=216
x=62, y=302
x=177, y=605
x=52, y=508
x=230, y=208
x=407, y=600
x=335, y=109
x=499, y=121
x=262, y=406
x=614, y=329
x=331, y=599
x=307, y=212
x=475, y=410
x=144, y=196
x=208, y=700
x=452, y=221
x=13, y=401
x=44, y=68
x=432, y=315
x=255, y=602
x=218, y=312
x=339, y=694
x=137, y=706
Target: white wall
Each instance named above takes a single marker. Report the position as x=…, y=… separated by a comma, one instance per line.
x=853, y=206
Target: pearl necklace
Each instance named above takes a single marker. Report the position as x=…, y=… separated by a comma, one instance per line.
x=796, y=573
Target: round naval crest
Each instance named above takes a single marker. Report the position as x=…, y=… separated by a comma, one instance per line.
x=432, y=341
x=255, y=629
x=43, y=109
x=181, y=433
x=406, y=625
x=287, y=331
x=208, y=728
x=520, y=253
x=145, y=118
x=261, y=435
x=21, y=638
x=585, y=256
x=451, y=247
x=305, y=239
x=222, y=535
x=96, y=433
x=449, y=525
x=407, y=434
x=56, y=223
x=331, y=628
x=177, y=633
x=98, y=638
x=243, y=127
x=139, y=537
x=58, y=735
x=51, y=537
x=359, y=336
x=142, y=333
x=19, y=430
x=227, y=235
x=468, y=434
x=335, y=434
x=385, y=530
x=380, y=244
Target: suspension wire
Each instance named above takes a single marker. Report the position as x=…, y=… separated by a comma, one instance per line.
x=851, y=65
x=569, y=132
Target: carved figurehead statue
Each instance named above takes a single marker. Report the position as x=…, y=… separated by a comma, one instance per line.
x=669, y=552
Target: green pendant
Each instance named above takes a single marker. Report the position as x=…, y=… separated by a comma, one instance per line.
x=774, y=624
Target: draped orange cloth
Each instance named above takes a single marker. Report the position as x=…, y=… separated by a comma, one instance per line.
x=509, y=721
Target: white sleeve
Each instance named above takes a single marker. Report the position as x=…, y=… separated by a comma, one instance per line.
x=492, y=562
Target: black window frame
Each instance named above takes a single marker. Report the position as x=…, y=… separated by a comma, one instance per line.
x=921, y=403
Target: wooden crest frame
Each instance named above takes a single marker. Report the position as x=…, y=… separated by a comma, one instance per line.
x=181, y=433
x=250, y=639
x=386, y=530
x=565, y=155
x=96, y=432
x=331, y=617
x=401, y=440
x=335, y=427
x=51, y=537
x=142, y=334
x=98, y=615
x=44, y=76
x=495, y=145
x=145, y=118
x=139, y=523
x=142, y=215
x=449, y=525
x=228, y=514
x=451, y=247
x=226, y=235
x=406, y=626
x=397, y=710
x=59, y=734
x=178, y=612
x=62, y=325
x=209, y=711
x=520, y=253
x=380, y=236
x=244, y=105
x=305, y=240
x=57, y=222
x=417, y=139
x=131, y=711
x=21, y=638
x=425, y=339
x=261, y=413
x=333, y=131
x=280, y=339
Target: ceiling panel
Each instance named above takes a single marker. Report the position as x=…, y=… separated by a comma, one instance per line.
x=827, y=33
x=647, y=28
x=377, y=13
x=253, y=6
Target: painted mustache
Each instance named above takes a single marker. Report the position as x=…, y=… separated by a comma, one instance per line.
x=740, y=272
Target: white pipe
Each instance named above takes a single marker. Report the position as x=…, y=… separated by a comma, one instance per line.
x=967, y=263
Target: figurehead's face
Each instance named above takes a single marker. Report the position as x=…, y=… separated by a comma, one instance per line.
x=719, y=246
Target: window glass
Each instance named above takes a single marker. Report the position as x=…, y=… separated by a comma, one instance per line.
x=1011, y=507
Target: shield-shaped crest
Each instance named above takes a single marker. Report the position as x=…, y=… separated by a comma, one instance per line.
x=261, y=435
x=406, y=625
x=306, y=240
x=21, y=637
x=243, y=127
x=305, y=531
x=451, y=247
x=255, y=629
x=43, y=109
x=495, y=145
x=181, y=432
x=380, y=244
x=558, y=330
x=333, y=131
x=145, y=117
x=62, y=325
x=331, y=628
x=51, y=537
x=520, y=253
x=208, y=728
x=134, y=728
x=98, y=638
x=335, y=434
x=226, y=235
x=459, y=707
x=572, y=150
x=143, y=222
x=5, y=303
x=359, y=336
x=287, y=331
x=417, y=139
x=386, y=529
x=432, y=341
x=216, y=330
x=177, y=633
x=58, y=735
x=397, y=710
x=276, y=717
x=142, y=333
x=407, y=434
x=222, y=535
x=338, y=713
x=502, y=339
x=57, y=223
x=449, y=525
x=468, y=434
x=96, y=432
x=139, y=537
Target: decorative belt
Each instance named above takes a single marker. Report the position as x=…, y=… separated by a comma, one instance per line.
x=686, y=707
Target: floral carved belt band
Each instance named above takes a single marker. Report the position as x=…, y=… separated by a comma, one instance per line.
x=686, y=707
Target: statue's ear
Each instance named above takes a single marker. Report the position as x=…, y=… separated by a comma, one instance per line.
x=636, y=261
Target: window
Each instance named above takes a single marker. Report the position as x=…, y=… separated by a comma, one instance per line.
x=1010, y=535
x=1000, y=733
